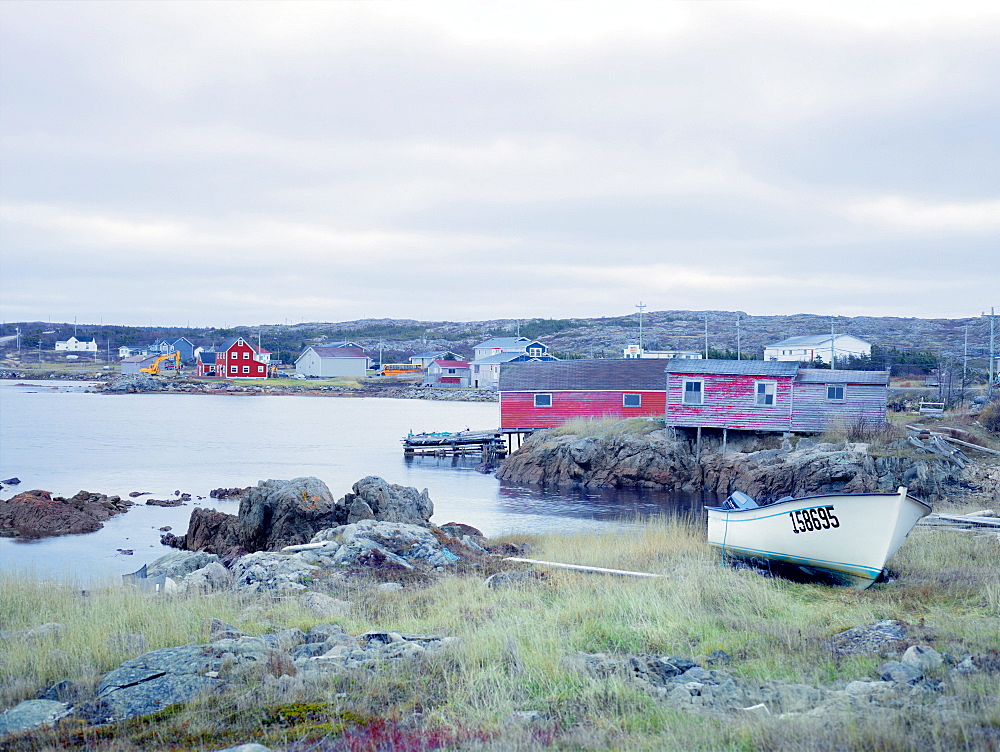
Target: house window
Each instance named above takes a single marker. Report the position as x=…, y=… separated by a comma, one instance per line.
x=835, y=391
x=694, y=392
x=764, y=393
x=246, y=369
x=631, y=400
x=234, y=369
x=534, y=351
x=543, y=400
x=246, y=355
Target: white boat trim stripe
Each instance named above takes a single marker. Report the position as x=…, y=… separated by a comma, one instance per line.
x=850, y=568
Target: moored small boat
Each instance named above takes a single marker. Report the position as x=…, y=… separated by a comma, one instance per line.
x=841, y=539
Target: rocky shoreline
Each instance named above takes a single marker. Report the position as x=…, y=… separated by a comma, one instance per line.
x=763, y=467
x=145, y=384
x=294, y=542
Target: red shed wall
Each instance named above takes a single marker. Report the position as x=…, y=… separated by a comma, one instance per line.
x=729, y=403
x=517, y=409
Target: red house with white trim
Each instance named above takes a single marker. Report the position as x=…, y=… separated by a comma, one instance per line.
x=237, y=358
x=747, y=395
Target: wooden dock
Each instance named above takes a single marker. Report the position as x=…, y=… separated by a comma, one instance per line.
x=490, y=445
x=487, y=444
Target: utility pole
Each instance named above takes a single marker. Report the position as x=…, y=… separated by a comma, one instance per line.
x=993, y=356
x=706, y=336
x=833, y=339
x=641, y=308
x=738, y=355
x=965, y=362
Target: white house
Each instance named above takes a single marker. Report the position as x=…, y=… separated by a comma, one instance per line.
x=825, y=347
x=634, y=351
x=520, y=345
x=329, y=362
x=447, y=373
x=425, y=359
x=77, y=345
x=494, y=353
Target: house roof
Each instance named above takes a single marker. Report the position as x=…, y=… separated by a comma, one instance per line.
x=433, y=354
x=506, y=342
x=574, y=375
x=502, y=357
x=452, y=363
x=731, y=367
x=826, y=376
x=340, y=344
x=810, y=340
x=224, y=347
x=337, y=352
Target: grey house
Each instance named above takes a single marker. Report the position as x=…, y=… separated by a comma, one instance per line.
x=330, y=362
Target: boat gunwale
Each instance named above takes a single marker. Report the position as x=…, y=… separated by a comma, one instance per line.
x=799, y=499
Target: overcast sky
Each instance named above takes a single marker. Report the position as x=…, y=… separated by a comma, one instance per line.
x=234, y=163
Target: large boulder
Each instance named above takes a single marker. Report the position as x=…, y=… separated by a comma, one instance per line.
x=281, y=513
x=208, y=530
x=375, y=499
x=37, y=514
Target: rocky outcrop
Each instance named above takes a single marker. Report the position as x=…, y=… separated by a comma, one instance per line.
x=279, y=513
x=38, y=514
x=796, y=466
x=208, y=530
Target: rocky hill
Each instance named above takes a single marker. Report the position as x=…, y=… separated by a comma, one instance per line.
x=397, y=339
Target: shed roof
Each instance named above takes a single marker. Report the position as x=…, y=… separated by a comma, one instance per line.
x=576, y=375
x=825, y=376
x=731, y=367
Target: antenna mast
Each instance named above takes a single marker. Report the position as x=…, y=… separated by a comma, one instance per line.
x=642, y=307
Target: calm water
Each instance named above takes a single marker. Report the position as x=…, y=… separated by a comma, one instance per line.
x=61, y=438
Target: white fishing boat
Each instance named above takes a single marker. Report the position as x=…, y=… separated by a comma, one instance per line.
x=842, y=539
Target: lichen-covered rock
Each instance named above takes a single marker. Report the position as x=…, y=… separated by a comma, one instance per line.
x=31, y=714
x=278, y=513
x=271, y=573
x=180, y=563
x=374, y=498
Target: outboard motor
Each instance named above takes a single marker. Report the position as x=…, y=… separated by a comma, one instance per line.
x=739, y=500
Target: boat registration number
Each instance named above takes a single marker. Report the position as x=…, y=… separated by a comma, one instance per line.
x=817, y=518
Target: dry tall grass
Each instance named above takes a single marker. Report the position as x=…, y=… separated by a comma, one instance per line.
x=514, y=643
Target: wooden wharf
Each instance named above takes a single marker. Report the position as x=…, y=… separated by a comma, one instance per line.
x=488, y=444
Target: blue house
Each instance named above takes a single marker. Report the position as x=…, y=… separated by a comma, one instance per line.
x=167, y=345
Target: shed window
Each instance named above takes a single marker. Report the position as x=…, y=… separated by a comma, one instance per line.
x=764, y=393
x=694, y=392
x=543, y=400
x=835, y=391
x=632, y=400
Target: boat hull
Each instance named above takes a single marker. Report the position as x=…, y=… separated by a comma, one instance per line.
x=840, y=539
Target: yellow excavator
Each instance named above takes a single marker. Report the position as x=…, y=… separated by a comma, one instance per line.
x=154, y=368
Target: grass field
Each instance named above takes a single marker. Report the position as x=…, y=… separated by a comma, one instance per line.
x=514, y=642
